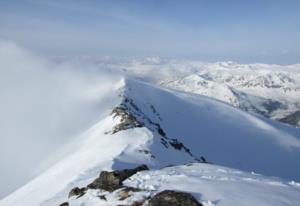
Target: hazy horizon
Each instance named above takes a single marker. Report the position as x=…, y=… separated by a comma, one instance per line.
x=241, y=31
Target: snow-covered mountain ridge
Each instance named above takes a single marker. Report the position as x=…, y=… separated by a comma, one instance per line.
x=158, y=127
x=270, y=90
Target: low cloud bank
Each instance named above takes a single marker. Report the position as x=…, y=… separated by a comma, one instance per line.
x=43, y=106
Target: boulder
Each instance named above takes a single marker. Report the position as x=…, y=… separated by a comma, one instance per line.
x=76, y=191
x=126, y=192
x=111, y=181
x=173, y=198
x=127, y=121
x=64, y=204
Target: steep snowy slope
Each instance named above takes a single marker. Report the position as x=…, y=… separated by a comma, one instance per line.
x=159, y=127
x=211, y=185
x=215, y=185
x=218, y=132
x=269, y=90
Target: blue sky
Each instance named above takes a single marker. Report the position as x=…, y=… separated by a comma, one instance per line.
x=211, y=30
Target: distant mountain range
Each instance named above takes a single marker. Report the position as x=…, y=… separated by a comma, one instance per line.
x=269, y=90
x=160, y=127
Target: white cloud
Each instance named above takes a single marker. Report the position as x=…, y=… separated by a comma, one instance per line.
x=43, y=105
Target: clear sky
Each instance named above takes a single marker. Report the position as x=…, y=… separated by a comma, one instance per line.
x=211, y=30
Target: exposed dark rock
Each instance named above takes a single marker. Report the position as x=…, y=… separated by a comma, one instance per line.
x=124, y=195
x=76, y=191
x=161, y=131
x=164, y=142
x=147, y=152
x=188, y=164
x=126, y=192
x=176, y=144
x=127, y=120
x=132, y=116
x=155, y=112
x=203, y=159
x=271, y=105
x=111, y=181
x=137, y=203
x=293, y=119
x=102, y=197
x=64, y=204
x=173, y=198
x=170, y=165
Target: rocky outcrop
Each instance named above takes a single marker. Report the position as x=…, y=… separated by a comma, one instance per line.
x=127, y=121
x=111, y=181
x=108, y=181
x=76, y=191
x=64, y=204
x=293, y=119
x=126, y=192
x=173, y=198
x=132, y=116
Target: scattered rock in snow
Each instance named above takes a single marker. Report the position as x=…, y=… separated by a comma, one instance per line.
x=132, y=116
x=111, y=181
x=147, y=152
x=137, y=203
x=155, y=112
x=126, y=192
x=76, y=191
x=127, y=120
x=64, y=204
x=293, y=119
x=173, y=198
x=203, y=159
x=102, y=197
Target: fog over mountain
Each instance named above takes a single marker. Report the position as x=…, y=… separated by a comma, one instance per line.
x=149, y=103
x=64, y=121
x=43, y=105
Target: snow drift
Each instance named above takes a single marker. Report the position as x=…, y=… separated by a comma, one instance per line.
x=63, y=123
x=166, y=127
x=44, y=105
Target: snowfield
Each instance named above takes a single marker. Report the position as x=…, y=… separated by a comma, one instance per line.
x=269, y=90
x=208, y=129
x=210, y=184
x=175, y=128
x=215, y=185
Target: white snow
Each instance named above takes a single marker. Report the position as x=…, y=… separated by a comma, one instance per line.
x=222, y=134
x=253, y=83
x=222, y=186
x=210, y=184
x=226, y=136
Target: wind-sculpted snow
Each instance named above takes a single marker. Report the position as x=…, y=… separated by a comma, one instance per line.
x=211, y=185
x=44, y=105
x=145, y=123
x=220, y=186
x=202, y=127
x=222, y=134
x=270, y=90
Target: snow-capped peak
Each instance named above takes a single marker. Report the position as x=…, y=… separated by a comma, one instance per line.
x=159, y=127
